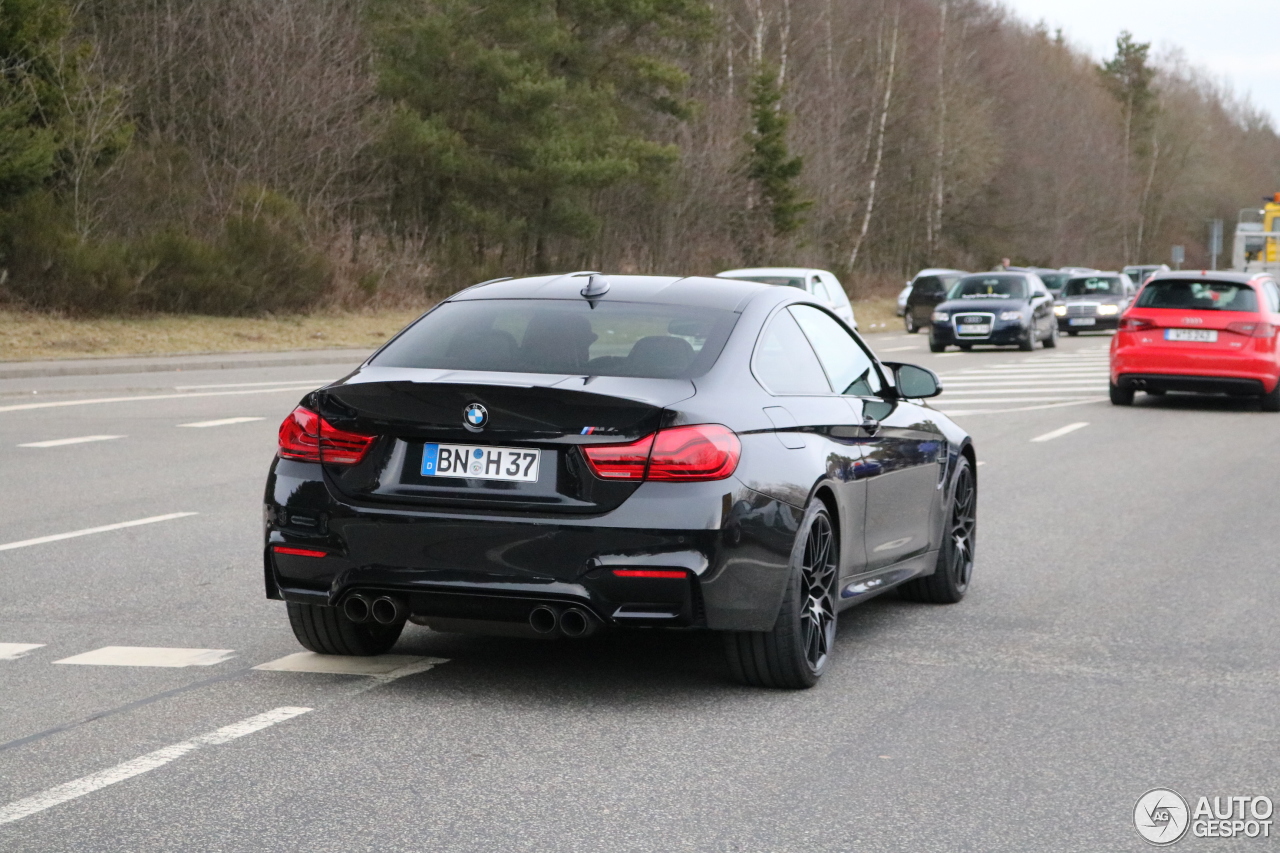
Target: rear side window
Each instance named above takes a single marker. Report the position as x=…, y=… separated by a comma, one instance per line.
x=1198, y=296
x=562, y=336
x=1273, y=295
x=784, y=361
x=848, y=366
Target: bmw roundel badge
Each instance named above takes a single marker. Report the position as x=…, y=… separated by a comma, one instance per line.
x=474, y=417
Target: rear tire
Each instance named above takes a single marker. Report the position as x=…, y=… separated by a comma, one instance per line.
x=327, y=631
x=950, y=579
x=1121, y=396
x=1271, y=400
x=795, y=654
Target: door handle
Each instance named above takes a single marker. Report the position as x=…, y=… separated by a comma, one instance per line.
x=871, y=425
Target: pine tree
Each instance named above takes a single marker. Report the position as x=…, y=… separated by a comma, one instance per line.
x=770, y=166
x=30, y=31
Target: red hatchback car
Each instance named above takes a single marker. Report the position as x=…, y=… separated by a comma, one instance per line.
x=1206, y=332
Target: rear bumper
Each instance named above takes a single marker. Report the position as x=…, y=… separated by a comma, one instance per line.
x=1211, y=372
x=1232, y=385
x=731, y=545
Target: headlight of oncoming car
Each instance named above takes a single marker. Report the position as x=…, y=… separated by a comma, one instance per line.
x=1108, y=310
x=1010, y=315
x=940, y=316
x=1060, y=310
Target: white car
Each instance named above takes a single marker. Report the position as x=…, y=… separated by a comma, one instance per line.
x=819, y=283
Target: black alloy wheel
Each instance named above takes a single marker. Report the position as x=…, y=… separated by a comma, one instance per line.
x=954, y=571
x=796, y=652
x=328, y=631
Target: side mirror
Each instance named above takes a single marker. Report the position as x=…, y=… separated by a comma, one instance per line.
x=914, y=382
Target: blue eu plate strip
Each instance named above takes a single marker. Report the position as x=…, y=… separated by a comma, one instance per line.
x=430, y=455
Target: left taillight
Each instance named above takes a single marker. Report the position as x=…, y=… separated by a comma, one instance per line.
x=683, y=454
x=306, y=436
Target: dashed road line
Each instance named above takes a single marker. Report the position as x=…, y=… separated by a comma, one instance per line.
x=13, y=651
x=1061, y=431
x=63, y=442
x=149, y=656
x=57, y=537
x=314, y=383
x=222, y=422
x=77, y=788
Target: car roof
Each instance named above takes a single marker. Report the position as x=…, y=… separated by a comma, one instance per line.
x=702, y=291
x=1225, y=276
x=938, y=271
x=1094, y=273
x=769, y=271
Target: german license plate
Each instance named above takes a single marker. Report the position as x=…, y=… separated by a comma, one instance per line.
x=1082, y=321
x=480, y=463
x=973, y=329
x=1204, y=336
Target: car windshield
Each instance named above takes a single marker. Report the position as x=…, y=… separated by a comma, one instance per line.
x=1054, y=280
x=1198, y=296
x=990, y=287
x=783, y=280
x=562, y=336
x=1094, y=285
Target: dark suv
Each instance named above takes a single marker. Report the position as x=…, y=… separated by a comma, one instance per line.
x=927, y=290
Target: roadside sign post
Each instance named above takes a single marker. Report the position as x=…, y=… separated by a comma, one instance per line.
x=1179, y=255
x=1215, y=242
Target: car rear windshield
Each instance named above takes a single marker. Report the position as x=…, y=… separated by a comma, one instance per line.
x=990, y=287
x=1094, y=285
x=561, y=336
x=784, y=280
x=1198, y=296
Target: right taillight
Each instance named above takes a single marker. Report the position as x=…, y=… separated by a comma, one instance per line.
x=1252, y=329
x=306, y=436
x=683, y=454
x=1136, y=324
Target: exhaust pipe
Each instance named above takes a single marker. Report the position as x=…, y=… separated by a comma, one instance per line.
x=543, y=619
x=356, y=608
x=576, y=622
x=387, y=610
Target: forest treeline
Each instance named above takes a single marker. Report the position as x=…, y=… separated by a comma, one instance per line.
x=241, y=156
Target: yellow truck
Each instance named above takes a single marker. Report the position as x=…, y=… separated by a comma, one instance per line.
x=1257, y=241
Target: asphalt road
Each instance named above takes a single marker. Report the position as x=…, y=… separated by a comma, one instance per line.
x=1120, y=635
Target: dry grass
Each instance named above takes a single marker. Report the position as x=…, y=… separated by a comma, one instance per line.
x=25, y=336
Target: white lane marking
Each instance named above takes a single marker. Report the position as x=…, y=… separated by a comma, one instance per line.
x=74, y=789
x=1030, y=398
x=62, y=442
x=223, y=422
x=1061, y=431
x=40, y=540
x=980, y=464
x=897, y=349
x=1025, y=391
x=24, y=407
x=13, y=651
x=312, y=382
x=389, y=667
x=947, y=354
x=149, y=656
x=958, y=412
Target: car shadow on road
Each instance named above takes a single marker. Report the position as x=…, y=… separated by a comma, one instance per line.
x=1196, y=402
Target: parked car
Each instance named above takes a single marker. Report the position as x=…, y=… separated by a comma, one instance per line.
x=928, y=288
x=902, y=299
x=1002, y=308
x=1054, y=280
x=559, y=455
x=1211, y=333
x=1078, y=270
x=1139, y=273
x=1091, y=303
x=818, y=283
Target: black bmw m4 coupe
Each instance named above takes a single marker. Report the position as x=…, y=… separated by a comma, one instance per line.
x=566, y=454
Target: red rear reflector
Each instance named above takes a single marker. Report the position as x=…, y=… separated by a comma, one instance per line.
x=650, y=573
x=306, y=436
x=1135, y=324
x=298, y=552
x=1253, y=330
x=681, y=454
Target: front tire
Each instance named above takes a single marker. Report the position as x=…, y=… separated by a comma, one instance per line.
x=1121, y=396
x=328, y=631
x=795, y=654
x=1052, y=341
x=934, y=346
x=910, y=323
x=1028, y=343
x=951, y=578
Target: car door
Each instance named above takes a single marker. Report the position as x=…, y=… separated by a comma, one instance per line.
x=1041, y=305
x=818, y=428
x=903, y=447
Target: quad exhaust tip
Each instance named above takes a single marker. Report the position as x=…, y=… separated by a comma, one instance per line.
x=543, y=619
x=357, y=608
x=573, y=622
x=388, y=611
